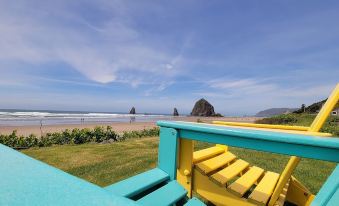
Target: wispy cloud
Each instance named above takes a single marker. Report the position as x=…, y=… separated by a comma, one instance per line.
x=157, y=88
x=242, y=86
x=102, y=52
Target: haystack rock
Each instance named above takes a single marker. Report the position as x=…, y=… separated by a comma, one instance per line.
x=175, y=112
x=132, y=111
x=203, y=108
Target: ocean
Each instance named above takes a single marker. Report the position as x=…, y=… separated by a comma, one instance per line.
x=13, y=117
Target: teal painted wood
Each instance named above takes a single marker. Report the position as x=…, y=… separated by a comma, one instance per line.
x=138, y=183
x=166, y=195
x=26, y=181
x=167, y=155
x=334, y=201
x=290, y=144
x=329, y=192
x=194, y=202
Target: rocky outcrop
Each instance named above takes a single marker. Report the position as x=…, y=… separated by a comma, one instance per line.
x=132, y=111
x=175, y=112
x=203, y=108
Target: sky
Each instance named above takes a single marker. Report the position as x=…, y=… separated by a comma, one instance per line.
x=110, y=55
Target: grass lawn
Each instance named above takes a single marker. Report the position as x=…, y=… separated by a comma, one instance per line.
x=104, y=164
x=101, y=164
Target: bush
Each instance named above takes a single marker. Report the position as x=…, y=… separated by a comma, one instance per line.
x=75, y=136
x=143, y=133
x=331, y=125
x=279, y=119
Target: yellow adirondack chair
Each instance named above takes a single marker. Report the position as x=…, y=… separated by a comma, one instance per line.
x=214, y=170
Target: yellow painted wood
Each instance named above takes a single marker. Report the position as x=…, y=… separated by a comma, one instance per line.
x=325, y=110
x=204, y=154
x=214, y=163
x=245, y=182
x=321, y=134
x=298, y=194
x=314, y=128
x=224, y=175
x=264, y=189
x=225, y=147
x=282, y=197
x=309, y=200
x=268, y=126
x=219, y=196
x=267, y=187
x=284, y=178
x=185, y=164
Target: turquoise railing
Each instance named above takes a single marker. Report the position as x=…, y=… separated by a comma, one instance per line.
x=321, y=148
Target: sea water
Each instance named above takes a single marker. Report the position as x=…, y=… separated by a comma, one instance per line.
x=46, y=117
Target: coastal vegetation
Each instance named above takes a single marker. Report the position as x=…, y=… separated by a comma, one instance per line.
x=303, y=119
x=75, y=136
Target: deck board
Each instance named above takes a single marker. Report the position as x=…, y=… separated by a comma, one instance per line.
x=264, y=189
x=214, y=163
x=166, y=195
x=245, y=182
x=224, y=175
x=207, y=153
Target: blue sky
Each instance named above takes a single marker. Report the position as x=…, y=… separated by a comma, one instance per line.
x=110, y=55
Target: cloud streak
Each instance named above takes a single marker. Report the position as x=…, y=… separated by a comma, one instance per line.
x=102, y=52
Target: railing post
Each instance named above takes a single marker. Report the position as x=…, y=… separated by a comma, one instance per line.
x=185, y=158
x=167, y=154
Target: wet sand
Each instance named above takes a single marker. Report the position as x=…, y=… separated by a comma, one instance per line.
x=116, y=126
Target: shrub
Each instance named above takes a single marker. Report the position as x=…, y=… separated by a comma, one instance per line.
x=279, y=119
x=75, y=136
x=143, y=133
x=331, y=125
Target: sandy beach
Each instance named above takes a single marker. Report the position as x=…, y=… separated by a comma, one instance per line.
x=117, y=126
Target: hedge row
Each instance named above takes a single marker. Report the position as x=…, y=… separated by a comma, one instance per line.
x=331, y=125
x=75, y=136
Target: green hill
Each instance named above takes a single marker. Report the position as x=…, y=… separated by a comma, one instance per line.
x=313, y=108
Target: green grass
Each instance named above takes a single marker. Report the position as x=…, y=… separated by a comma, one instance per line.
x=104, y=164
x=101, y=164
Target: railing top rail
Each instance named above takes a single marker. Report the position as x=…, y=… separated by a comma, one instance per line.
x=276, y=142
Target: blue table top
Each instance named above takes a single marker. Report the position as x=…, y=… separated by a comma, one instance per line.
x=26, y=181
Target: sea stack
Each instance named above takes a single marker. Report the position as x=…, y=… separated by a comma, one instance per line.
x=203, y=108
x=175, y=112
x=132, y=111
